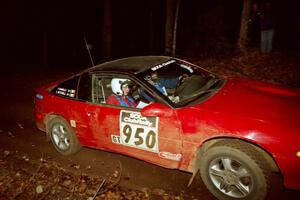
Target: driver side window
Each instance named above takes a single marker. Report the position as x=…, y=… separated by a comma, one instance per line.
x=119, y=91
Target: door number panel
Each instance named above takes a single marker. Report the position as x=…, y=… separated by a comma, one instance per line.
x=138, y=131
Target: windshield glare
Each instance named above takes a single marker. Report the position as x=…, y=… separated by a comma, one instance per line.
x=181, y=82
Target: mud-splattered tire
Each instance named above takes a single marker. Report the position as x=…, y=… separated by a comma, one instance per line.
x=232, y=169
x=63, y=137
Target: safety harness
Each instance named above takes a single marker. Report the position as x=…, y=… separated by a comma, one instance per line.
x=124, y=103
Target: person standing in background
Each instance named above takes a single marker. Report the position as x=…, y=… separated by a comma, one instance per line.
x=267, y=28
x=254, y=26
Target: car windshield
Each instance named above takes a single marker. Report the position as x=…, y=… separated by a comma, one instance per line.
x=181, y=83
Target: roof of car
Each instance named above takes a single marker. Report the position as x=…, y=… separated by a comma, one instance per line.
x=134, y=64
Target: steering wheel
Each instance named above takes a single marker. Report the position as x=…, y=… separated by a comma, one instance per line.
x=181, y=84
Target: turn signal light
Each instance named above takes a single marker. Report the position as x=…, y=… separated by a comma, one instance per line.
x=298, y=154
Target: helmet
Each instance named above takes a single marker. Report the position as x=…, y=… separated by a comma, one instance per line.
x=117, y=84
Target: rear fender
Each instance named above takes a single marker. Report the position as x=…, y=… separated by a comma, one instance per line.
x=48, y=118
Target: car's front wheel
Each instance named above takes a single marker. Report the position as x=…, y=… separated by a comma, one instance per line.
x=232, y=169
x=63, y=137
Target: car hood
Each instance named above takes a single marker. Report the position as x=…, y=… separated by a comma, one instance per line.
x=256, y=100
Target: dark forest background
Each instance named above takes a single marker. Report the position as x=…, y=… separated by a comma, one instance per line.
x=49, y=33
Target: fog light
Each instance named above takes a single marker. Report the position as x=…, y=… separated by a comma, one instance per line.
x=298, y=154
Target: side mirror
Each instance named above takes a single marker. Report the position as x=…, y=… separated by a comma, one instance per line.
x=157, y=110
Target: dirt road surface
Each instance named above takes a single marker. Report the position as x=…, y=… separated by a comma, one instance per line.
x=18, y=134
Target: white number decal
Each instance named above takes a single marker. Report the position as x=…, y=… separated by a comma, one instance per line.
x=138, y=131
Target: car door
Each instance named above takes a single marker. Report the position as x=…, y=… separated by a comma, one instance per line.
x=125, y=130
x=82, y=113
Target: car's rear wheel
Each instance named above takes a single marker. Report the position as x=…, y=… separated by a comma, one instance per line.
x=63, y=137
x=232, y=169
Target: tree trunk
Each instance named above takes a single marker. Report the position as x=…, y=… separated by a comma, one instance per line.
x=130, y=37
x=243, y=36
x=45, y=35
x=151, y=29
x=175, y=29
x=107, y=30
x=169, y=26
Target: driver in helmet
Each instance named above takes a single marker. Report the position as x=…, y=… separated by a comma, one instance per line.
x=121, y=93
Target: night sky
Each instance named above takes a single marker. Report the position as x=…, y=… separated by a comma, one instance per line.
x=51, y=33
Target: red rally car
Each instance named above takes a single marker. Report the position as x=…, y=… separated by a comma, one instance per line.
x=169, y=112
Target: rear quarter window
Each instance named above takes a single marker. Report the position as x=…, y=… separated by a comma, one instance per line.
x=67, y=88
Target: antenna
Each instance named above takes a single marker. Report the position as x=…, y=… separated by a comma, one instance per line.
x=88, y=49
